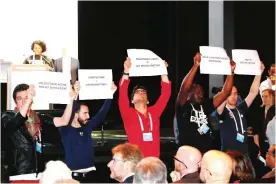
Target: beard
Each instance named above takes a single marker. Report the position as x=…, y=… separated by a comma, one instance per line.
x=81, y=122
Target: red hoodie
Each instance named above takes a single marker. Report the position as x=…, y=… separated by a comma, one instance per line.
x=132, y=123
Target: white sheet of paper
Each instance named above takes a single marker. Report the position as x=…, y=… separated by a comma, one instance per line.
x=145, y=63
x=50, y=87
x=247, y=62
x=95, y=84
x=31, y=176
x=214, y=60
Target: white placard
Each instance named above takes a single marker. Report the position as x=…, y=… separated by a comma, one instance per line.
x=31, y=176
x=95, y=84
x=247, y=62
x=145, y=63
x=50, y=87
x=214, y=60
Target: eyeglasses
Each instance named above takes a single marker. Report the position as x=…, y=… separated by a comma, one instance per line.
x=268, y=153
x=180, y=161
x=115, y=159
x=140, y=91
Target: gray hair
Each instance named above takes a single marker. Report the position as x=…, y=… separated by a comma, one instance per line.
x=270, y=131
x=150, y=170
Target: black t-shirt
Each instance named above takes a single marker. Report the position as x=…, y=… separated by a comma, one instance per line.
x=188, y=130
x=228, y=130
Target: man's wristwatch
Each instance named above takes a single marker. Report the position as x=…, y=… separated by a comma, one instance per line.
x=125, y=73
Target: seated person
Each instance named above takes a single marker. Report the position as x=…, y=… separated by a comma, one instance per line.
x=39, y=47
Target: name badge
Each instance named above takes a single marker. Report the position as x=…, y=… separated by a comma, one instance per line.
x=240, y=137
x=147, y=137
x=38, y=147
x=203, y=129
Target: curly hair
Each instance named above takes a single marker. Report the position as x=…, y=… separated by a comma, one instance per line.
x=40, y=43
x=242, y=167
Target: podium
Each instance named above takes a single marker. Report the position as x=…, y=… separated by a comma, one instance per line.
x=17, y=75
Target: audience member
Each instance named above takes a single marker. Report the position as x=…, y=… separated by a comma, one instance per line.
x=271, y=161
x=192, y=111
x=267, y=112
x=270, y=131
x=56, y=172
x=186, y=164
x=150, y=170
x=125, y=158
x=242, y=168
x=269, y=83
x=142, y=123
x=216, y=167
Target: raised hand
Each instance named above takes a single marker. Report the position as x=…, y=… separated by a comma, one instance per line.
x=197, y=59
x=30, y=93
x=232, y=65
x=166, y=64
x=127, y=65
x=114, y=87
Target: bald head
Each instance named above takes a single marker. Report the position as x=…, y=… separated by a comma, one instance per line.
x=190, y=158
x=216, y=166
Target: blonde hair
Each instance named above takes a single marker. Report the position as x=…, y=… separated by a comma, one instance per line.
x=271, y=94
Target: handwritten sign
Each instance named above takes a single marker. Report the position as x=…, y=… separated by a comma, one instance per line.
x=214, y=60
x=145, y=63
x=95, y=84
x=247, y=62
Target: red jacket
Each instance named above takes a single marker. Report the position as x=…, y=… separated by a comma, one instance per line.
x=131, y=119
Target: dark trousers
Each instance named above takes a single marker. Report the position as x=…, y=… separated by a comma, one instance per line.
x=88, y=177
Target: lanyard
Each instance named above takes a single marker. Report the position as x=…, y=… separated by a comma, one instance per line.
x=196, y=114
x=141, y=122
x=235, y=119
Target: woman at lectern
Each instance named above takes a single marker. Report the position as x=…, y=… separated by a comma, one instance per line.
x=39, y=47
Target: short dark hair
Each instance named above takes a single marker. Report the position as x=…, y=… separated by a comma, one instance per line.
x=40, y=43
x=80, y=103
x=136, y=88
x=18, y=88
x=272, y=65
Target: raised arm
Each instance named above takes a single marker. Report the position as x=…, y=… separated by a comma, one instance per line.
x=123, y=101
x=165, y=94
x=221, y=108
x=101, y=115
x=227, y=87
x=68, y=112
x=254, y=89
x=187, y=82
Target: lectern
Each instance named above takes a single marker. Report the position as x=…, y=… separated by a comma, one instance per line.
x=17, y=75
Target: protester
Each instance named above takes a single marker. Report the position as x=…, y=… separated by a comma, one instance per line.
x=22, y=127
x=77, y=140
x=192, y=111
x=142, y=123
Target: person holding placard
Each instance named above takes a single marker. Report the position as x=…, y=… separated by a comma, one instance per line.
x=77, y=141
x=269, y=83
x=233, y=125
x=142, y=123
x=192, y=111
x=22, y=127
x=39, y=47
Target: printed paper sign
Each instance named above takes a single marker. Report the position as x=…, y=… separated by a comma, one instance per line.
x=247, y=62
x=214, y=60
x=50, y=87
x=95, y=84
x=145, y=63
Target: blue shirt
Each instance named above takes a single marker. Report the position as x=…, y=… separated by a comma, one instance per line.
x=77, y=142
x=228, y=131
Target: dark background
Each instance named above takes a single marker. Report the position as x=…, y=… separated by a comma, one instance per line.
x=174, y=31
